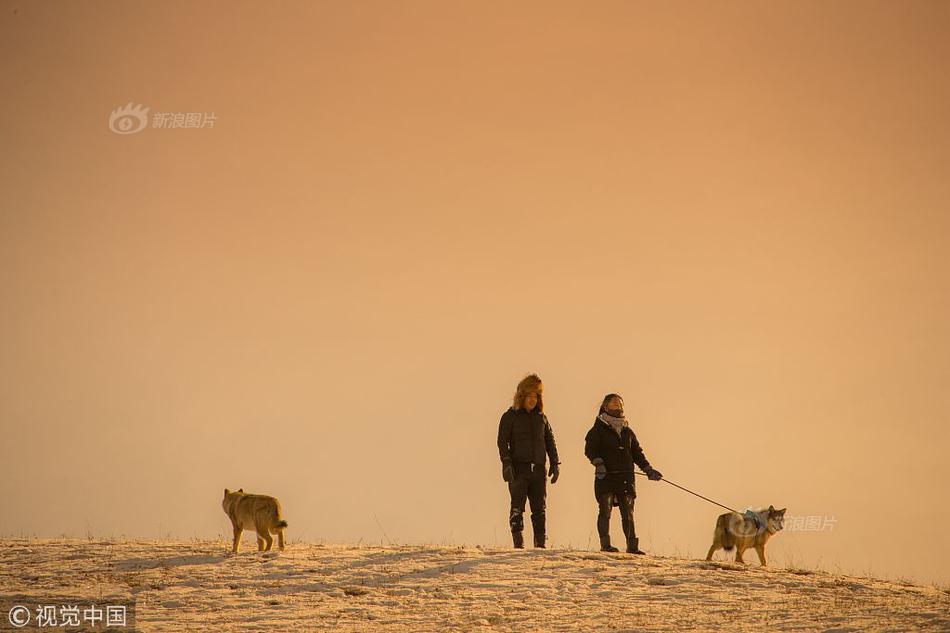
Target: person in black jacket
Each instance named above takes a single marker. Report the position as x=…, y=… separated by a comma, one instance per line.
x=525, y=438
x=613, y=449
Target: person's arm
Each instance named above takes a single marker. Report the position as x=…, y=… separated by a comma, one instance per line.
x=504, y=447
x=592, y=446
x=593, y=452
x=549, y=443
x=640, y=459
x=504, y=437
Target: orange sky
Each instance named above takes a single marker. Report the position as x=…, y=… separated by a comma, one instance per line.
x=734, y=214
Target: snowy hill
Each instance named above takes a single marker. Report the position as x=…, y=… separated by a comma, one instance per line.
x=197, y=585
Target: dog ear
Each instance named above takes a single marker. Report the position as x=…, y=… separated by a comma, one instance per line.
x=782, y=511
x=226, y=492
x=771, y=508
x=240, y=489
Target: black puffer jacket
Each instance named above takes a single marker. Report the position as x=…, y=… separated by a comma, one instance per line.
x=619, y=452
x=526, y=436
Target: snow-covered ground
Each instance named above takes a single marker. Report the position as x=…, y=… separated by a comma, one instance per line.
x=197, y=585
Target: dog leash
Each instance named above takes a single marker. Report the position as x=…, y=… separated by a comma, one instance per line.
x=691, y=492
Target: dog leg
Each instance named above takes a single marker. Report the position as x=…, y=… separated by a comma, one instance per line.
x=739, y=555
x=237, y=539
x=760, y=550
x=260, y=543
x=280, y=539
x=268, y=540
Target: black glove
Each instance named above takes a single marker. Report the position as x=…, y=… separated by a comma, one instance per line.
x=654, y=475
x=600, y=471
x=507, y=471
x=555, y=472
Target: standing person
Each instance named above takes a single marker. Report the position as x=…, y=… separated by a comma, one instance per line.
x=525, y=438
x=613, y=449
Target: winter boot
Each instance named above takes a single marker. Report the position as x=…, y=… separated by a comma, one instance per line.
x=605, y=545
x=633, y=546
x=518, y=539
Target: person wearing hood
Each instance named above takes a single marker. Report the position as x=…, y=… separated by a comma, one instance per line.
x=613, y=449
x=525, y=439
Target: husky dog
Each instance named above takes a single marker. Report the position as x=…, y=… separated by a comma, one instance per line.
x=254, y=512
x=742, y=531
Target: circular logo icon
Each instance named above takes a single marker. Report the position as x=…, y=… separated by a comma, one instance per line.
x=128, y=119
x=19, y=616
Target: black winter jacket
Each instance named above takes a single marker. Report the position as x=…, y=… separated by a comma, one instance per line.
x=526, y=436
x=619, y=452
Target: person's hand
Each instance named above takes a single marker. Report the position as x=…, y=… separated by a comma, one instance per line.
x=555, y=472
x=507, y=471
x=654, y=475
x=600, y=471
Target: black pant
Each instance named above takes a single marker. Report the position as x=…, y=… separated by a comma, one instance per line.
x=605, y=502
x=528, y=485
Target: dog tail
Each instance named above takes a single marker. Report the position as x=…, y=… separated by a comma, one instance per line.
x=725, y=537
x=281, y=524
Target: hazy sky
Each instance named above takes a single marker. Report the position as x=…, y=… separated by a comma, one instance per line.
x=733, y=214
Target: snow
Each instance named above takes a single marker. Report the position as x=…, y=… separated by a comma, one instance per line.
x=198, y=585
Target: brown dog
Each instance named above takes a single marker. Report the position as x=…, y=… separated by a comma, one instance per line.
x=742, y=531
x=254, y=512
